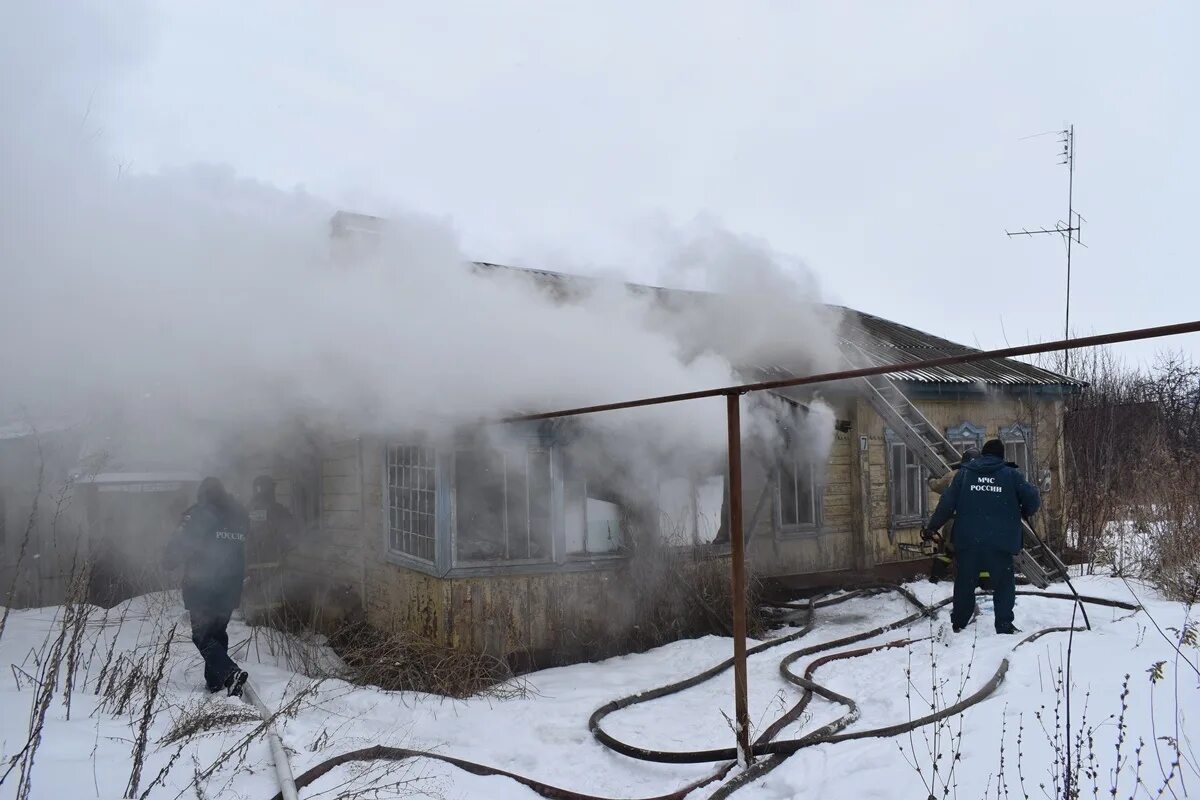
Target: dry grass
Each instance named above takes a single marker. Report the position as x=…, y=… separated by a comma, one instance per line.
x=202, y=718
x=407, y=662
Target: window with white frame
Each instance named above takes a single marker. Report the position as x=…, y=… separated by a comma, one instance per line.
x=411, y=499
x=965, y=436
x=691, y=509
x=906, y=482
x=1018, y=447
x=799, y=498
x=502, y=502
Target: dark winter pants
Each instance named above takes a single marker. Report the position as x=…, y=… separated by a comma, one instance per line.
x=211, y=639
x=999, y=565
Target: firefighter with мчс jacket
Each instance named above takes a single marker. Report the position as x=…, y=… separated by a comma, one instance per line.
x=209, y=544
x=988, y=499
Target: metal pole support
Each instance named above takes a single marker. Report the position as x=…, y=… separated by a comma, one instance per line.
x=737, y=545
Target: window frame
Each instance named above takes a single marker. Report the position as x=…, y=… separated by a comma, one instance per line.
x=445, y=563
x=388, y=508
x=901, y=519
x=966, y=434
x=816, y=499
x=694, y=482
x=568, y=555
x=1020, y=433
x=555, y=548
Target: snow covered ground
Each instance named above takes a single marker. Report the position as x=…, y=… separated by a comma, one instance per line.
x=542, y=732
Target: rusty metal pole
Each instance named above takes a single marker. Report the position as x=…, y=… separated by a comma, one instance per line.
x=737, y=582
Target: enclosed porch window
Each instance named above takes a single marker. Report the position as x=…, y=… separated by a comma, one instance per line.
x=502, y=504
x=411, y=501
x=691, y=509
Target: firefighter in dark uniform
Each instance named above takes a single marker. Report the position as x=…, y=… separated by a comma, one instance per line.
x=272, y=532
x=209, y=544
x=988, y=499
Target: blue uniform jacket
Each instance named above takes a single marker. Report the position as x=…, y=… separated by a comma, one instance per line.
x=210, y=546
x=987, y=498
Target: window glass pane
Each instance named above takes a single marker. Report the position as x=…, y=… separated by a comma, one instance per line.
x=411, y=501
x=805, y=507
x=789, y=504
x=1019, y=455
x=517, y=505
x=539, y=504
x=575, y=515
x=710, y=508
x=676, y=511
x=479, y=504
x=896, y=478
x=594, y=509
x=603, y=526
x=914, y=494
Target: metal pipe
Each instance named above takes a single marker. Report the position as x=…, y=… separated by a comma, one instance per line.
x=865, y=372
x=737, y=547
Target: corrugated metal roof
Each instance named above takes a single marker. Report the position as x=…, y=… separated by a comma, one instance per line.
x=867, y=340
x=872, y=341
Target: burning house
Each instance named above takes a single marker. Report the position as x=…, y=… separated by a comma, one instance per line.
x=551, y=541
x=529, y=539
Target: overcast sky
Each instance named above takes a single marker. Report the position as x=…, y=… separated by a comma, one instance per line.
x=882, y=143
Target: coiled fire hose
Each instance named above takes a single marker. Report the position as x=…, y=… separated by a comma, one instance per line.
x=774, y=752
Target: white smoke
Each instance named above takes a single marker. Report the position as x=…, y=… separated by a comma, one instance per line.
x=193, y=300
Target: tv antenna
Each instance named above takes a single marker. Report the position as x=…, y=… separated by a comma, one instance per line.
x=1069, y=230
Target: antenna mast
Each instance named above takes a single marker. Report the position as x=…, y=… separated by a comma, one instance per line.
x=1070, y=230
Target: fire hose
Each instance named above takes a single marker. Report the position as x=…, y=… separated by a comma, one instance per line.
x=773, y=751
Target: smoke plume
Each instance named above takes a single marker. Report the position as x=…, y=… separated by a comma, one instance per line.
x=192, y=300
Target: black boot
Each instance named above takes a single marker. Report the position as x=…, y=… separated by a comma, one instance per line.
x=236, y=682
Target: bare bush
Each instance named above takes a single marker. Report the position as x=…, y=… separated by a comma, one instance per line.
x=941, y=752
x=1132, y=445
x=405, y=661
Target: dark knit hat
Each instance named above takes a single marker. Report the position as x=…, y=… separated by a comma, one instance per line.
x=211, y=490
x=994, y=447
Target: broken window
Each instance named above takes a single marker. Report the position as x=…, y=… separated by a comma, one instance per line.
x=593, y=523
x=411, y=501
x=1018, y=446
x=503, y=504
x=690, y=510
x=595, y=512
x=906, y=483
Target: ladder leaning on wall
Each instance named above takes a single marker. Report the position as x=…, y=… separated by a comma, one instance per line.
x=1037, y=562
